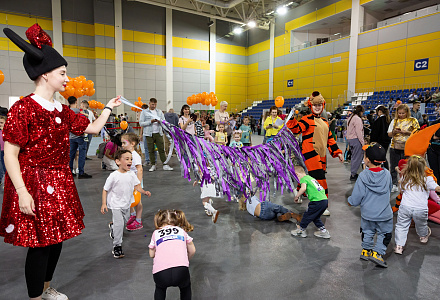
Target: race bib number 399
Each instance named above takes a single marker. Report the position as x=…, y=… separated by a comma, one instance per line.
x=168, y=234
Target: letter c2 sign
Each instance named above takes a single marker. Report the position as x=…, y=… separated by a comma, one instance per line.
x=421, y=64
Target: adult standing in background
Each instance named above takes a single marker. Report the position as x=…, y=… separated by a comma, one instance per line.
x=172, y=118
x=355, y=137
x=221, y=116
x=153, y=134
x=77, y=143
x=415, y=112
x=91, y=116
x=379, y=130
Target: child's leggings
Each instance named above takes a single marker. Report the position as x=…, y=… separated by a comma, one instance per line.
x=420, y=217
x=40, y=265
x=177, y=276
x=313, y=214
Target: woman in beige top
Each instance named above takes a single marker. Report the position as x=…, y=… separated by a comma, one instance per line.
x=222, y=117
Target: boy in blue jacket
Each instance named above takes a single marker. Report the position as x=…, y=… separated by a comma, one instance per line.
x=372, y=192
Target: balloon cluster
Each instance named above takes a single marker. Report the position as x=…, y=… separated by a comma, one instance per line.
x=203, y=98
x=139, y=104
x=95, y=104
x=78, y=87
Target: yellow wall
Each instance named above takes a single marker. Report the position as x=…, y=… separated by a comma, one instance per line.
x=391, y=64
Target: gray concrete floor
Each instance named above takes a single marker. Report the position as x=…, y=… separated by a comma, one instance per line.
x=240, y=257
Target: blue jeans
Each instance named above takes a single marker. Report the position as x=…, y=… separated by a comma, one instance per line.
x=81, y=145
x=270, y=211
x=313, y=214
x=383, y=229
x=2, y=165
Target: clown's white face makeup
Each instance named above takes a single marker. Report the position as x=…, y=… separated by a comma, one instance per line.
x=317, y=108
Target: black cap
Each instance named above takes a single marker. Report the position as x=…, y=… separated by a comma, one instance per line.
x=36, y=61
x=375, y=153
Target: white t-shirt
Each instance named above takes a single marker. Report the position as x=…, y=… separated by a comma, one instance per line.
x=91, y=116
x=417, y=197
x=137, y=160
x=155, y=124
x=119, y=187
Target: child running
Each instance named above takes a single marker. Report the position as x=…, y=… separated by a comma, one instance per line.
x=317, y=205
x=130, y=142
x=172, y=248
x=221, y=137
x=246, y=132
x=372, y=192
x=236, y=143
x=415, y=186
x=118, y=196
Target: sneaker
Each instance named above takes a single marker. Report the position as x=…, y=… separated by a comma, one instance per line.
x=377, y=259
x=285, y=217
x=208, y=213
x=394, y=189
x=73, y=174
x=84, y=176
x=103, y=166
x=365, y=254
x=153, y=168
x=147, y=164
x=299, y=232
x=354, y=178
x=398, y=249
x=322, y=234
x=77, y=171
x=52, y=294
x=131, y=219
x=167, y=168
x=135, y=225
x=326, y=212
x=300, y=200
x=117, y=252
x=215, y=216
x=424, y=239
x=110, y=226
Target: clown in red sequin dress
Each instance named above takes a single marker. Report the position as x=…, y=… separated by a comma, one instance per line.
x=41, y=130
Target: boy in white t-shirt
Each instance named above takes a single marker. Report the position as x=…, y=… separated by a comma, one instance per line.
x=118, y=196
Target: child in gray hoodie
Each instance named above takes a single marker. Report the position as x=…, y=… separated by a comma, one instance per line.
x=372, y=192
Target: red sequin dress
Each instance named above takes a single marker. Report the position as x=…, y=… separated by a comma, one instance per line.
x=42, y=132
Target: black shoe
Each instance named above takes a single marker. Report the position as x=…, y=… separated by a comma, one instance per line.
x=352, y=178
x=87, y=158
x=74, y=175
x=117, y=252
x=84, y=176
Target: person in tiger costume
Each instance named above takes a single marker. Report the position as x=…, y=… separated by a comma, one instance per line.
x=316, y=137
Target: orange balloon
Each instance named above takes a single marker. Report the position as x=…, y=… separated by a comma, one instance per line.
x=212, y=94
x=139, y=98
x=77, y=83
x=2, y=77
x=70, y=90
x=124, y=125
x=91, y=92
x=88, y=84
x=78, y=93
x=21, y=97
x=188, y=100
x=296, y=111
x=208, y=100
x=279, y=101
x=82, y=77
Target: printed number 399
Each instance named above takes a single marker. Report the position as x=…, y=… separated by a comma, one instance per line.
x=168, y=231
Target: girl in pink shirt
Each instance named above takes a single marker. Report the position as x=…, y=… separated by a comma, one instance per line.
x=172, y=248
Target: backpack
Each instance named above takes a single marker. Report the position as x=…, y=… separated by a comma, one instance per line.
x=101, y=150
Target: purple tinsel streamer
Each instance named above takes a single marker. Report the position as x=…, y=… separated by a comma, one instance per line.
x=233, y=168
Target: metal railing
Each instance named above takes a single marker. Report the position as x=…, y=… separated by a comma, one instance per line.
x=314, y=43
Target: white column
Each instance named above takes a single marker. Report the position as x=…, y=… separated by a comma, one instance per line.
x=212, y=57
x=119, y=58
x=57, y=31
x=357, y=19
x=271, y=58
x=169, y=58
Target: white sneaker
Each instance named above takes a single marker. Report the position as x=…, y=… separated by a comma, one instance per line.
x=326, y=213
x=153, y=168
x=167, y=168
x=215, y=216
x=321, y=234
x=52, y=294
x=299, y=232
x=394, y=189
x=77, y=171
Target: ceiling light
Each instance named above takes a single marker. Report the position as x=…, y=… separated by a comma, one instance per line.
x=238, y=30
x=271, y=12
x=251, y=24
x=337, y=33
x=282, y=10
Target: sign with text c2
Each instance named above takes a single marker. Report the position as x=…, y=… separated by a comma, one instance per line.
x=421, y=64
x=290, y=83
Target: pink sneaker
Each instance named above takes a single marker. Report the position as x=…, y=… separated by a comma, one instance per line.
x=131, y=219
x=135, y=225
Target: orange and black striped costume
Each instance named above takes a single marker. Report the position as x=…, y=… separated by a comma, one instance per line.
x=316, y=137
